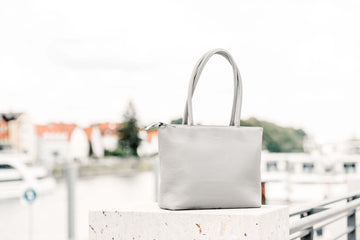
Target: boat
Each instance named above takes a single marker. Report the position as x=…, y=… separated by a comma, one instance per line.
x=16, y=177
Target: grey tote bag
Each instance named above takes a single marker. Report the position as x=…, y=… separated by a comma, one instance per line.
x=203, y=167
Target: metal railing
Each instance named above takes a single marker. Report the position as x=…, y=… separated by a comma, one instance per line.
x=308, y=221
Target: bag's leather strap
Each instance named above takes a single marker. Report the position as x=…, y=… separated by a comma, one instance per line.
x=237, y=99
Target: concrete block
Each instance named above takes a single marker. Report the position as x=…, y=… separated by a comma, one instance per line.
x=151, y=223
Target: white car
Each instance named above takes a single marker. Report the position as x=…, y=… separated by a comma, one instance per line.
x=16, y=178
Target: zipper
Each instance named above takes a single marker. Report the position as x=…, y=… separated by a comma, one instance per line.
x=155, y=125
x=159, y=124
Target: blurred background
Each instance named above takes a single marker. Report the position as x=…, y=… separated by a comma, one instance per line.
x=80, y=80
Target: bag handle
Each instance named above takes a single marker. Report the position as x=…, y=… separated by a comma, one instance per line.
x=237, y=99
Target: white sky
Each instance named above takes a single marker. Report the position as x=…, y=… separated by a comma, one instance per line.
x=81, y=61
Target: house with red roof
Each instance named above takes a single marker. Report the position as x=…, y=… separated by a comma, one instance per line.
x=94, y=137
x=110, y=138
x=109, y=135
x=18, y=133
x=58, y=143
x=149, y=143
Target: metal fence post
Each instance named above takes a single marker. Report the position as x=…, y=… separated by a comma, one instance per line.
x=71, y=175
x=351, y=222
x=156, y=168
x=310, y=235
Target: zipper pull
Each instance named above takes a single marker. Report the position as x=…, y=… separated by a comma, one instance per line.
x=156, y=124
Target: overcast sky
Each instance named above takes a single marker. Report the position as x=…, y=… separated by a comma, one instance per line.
x=81, y=61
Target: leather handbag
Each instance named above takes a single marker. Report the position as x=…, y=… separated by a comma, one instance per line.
x=205, y=167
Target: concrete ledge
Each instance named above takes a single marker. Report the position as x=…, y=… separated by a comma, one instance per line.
x=150, y=223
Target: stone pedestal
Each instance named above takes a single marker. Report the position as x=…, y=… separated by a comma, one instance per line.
x=150, y=223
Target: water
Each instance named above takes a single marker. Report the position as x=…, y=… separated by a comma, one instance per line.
x=49, y=212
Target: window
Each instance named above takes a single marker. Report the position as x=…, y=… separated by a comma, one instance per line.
x=6, y=166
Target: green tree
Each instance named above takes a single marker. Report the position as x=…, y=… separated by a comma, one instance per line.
x=277, y=138
x=128, y=132
x=91, y=151
x=177, y=121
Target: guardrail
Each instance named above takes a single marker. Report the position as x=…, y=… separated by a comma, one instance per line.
x=305, y=222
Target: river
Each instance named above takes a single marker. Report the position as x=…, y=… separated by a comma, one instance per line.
x=48, y=214
x=47, y=217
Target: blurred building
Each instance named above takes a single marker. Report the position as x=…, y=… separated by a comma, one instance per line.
x=58, y=143
x=349, y=147
x=94, y=136
x=109, y=135
x=18, y=131
x=149, y=143
x=4, y=132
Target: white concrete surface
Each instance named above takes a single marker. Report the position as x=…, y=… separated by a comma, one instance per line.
x=150, y=223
